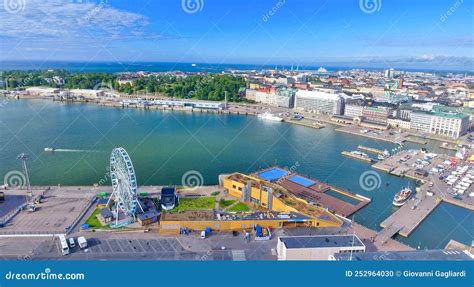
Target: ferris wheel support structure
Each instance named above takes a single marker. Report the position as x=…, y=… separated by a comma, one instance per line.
x=124, y=183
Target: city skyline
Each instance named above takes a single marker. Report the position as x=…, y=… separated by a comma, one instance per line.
x=370, y=34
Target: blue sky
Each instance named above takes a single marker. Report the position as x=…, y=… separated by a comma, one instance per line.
x=403, y=33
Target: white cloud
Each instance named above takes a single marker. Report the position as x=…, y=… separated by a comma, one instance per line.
x=52, y=19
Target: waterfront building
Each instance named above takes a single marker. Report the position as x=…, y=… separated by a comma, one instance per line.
x=282, y=97
x=353, y=110
x=270, y=195
x=404, y=113
x=319, y=247
x=41, y=91
x=420, y=122
x=358, y=109
x=189, y=104
x=436, y=254
x=448, y=124
x=282, y=190
x=172, y=223
x=319, y=102
x=86, y=93
x=377, y=114
x=399, y=123
x=250, y=94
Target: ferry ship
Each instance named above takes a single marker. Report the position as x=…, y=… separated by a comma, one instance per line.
x=402, y=196
x=269, y=116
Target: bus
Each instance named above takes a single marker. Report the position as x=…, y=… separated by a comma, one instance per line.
x=64, y=246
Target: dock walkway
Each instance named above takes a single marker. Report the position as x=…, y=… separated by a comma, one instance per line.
x=388, y=232
x=370, y=149
x=408, y=217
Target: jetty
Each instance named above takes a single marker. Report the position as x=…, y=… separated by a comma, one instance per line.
x=356, y=156
x=370, y=149
x=306, y=123
x=408, y=217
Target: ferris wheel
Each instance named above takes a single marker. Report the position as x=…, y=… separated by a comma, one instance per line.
x=124, y=182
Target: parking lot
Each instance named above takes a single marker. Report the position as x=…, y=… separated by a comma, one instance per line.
x=59, y=209
x=111, y=249
x=162, y=246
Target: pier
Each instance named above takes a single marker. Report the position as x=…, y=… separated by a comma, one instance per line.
x=408, y=217
x=415, y=139
x=355, y=156
x=370, y=149
x=306, y=123
x=429, y=195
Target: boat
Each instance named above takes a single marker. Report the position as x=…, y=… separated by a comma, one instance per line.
x=297, y=117
x=402, y=196
x=385, y=155
x=269, y=116
x=361, y=154
x=48, y=149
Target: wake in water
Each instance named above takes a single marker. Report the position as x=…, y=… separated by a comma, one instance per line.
x=68, y=150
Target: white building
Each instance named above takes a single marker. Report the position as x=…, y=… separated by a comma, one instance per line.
x=353, y=111
x=447, y=124
x=320, y=247
x=319, y=102
x=281, y=98
x=41, y=91
x=399, y=123
x=86, y=93
x=189, y=104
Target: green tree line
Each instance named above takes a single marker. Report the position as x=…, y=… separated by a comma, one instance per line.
x=196, y=86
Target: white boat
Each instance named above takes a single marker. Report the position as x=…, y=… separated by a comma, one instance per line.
x=402, y=196
x=48, y=149
x=269, y=116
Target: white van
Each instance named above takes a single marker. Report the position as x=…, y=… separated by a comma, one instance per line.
x=72, y=244
x=203, y=234
x=82, y=242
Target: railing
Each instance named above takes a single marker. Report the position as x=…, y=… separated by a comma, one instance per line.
x=11, y=214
